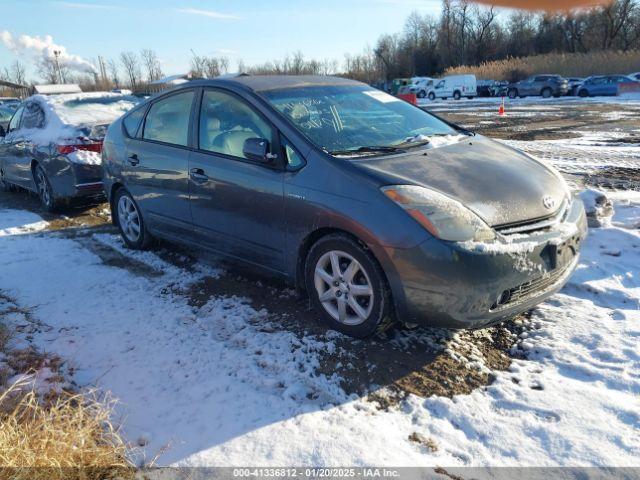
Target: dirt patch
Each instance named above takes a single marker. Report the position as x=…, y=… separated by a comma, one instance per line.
x=420, y=361
x=76, y=214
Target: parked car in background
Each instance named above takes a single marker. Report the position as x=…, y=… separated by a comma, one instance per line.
x=5, y=116
x=324, y=181
x=52, y=144
x=491, y=88
x=455, y=86
x=574, y=84
x=420, y=86
x=398, y=83
x=539, y=85
x=604, y=85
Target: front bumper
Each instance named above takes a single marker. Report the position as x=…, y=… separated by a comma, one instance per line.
x=453, y=285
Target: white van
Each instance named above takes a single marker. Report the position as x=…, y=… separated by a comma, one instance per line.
x=456, y=86
x=421, y=86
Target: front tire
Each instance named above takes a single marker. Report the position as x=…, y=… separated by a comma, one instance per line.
x=130, y=222
x=546, y=93
x=44, y=189
x=432, y=96
x=583, y=94
x=457, y=95
x=421, y=94
x=512, y=94
x=347, y=286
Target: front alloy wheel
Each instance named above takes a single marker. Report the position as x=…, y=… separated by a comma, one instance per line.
x=343, y=287
x=347, y=286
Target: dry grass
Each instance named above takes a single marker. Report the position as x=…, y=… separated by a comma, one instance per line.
x=63, y=436
x=566, y=64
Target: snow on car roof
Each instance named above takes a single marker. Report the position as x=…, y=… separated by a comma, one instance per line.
x=65, y=113
x=88, y=108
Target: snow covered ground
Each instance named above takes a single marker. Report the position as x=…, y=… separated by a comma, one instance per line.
x=222, y=383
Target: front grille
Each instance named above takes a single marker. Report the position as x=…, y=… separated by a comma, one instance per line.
x=537, y=224
x=532, y=287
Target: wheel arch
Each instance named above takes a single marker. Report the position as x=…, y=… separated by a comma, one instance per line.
x=112, y=194
x=397, y=294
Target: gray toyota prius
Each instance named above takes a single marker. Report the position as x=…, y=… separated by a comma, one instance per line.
x=377, y=209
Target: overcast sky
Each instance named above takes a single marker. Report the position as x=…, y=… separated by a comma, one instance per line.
x=251, y=30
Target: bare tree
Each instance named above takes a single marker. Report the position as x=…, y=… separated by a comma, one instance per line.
x=114, y=73
x=151, y=64
x=129, y=61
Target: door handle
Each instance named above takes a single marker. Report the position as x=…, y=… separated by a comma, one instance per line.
x=133, y=160
x=198, y=175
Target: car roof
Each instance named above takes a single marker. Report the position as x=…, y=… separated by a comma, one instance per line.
x=261, y=83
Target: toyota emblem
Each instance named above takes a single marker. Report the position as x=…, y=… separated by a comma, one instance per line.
x=548, y=202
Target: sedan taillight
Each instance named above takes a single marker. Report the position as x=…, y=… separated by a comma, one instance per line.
x=88, y=147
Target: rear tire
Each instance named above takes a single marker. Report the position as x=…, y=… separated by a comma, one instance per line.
x=457, y=95
x=546, y=93
x=421, y=94
x=512, y=94
x=355, y=299
x=129, y=219
x=44, y=189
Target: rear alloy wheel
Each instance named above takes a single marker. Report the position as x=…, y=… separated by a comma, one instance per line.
x=546, y=93
x=43, y=187
x=347, y=287
x=130, y=222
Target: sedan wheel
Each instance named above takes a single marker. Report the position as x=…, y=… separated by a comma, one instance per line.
x=45, y=192
x=343, y=287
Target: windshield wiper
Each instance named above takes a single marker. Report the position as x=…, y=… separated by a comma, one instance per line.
x=368, y=149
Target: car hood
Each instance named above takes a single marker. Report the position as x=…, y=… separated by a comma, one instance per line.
x=500, y=184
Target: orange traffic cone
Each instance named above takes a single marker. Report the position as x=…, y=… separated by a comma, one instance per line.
x=501, y=109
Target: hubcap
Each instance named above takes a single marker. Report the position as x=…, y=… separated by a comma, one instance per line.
x=129, y=218
x=43, y=187
x=343, y=287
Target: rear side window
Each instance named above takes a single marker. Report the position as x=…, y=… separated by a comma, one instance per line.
x=33, y=116
x=168, y=119
x=132, y=121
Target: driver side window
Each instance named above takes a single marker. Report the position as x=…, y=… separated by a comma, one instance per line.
x=226, y=122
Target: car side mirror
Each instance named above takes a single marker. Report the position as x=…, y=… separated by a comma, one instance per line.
x=257, y=149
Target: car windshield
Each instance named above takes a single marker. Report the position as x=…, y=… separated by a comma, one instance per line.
x=354, y=120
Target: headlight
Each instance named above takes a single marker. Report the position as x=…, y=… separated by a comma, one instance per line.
x=443, y=217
